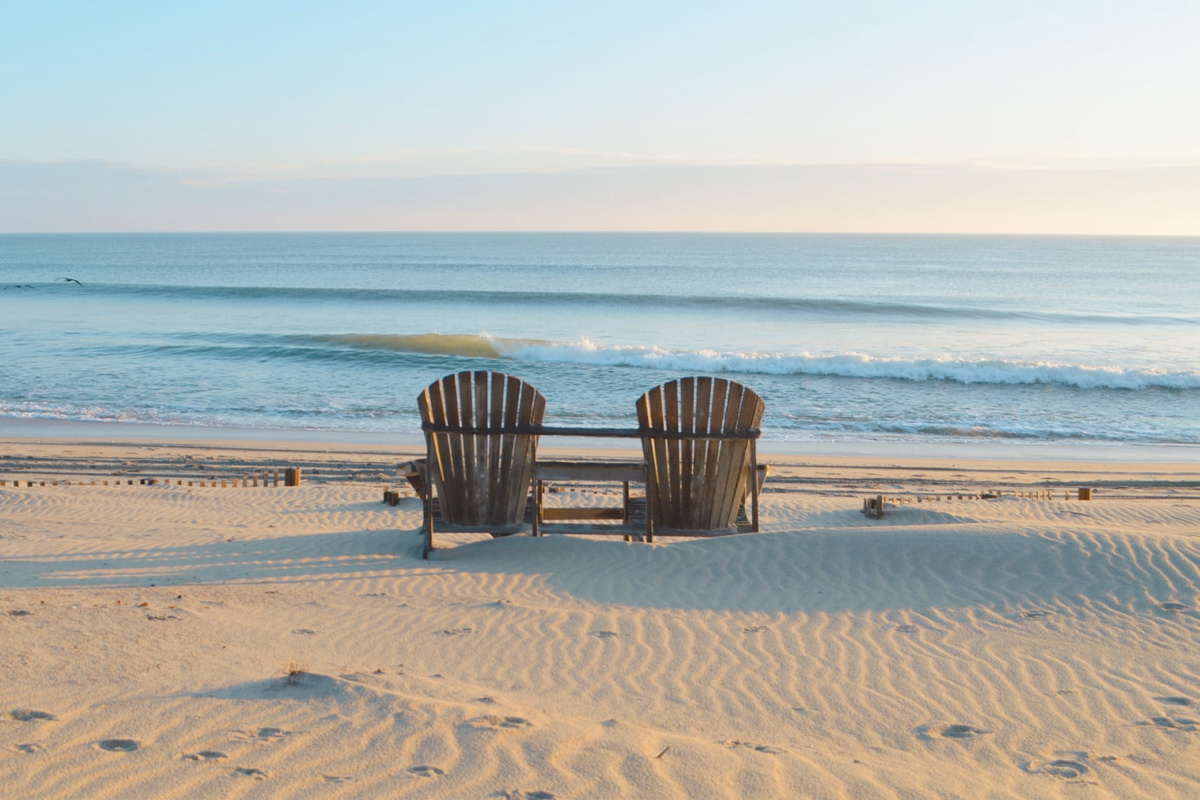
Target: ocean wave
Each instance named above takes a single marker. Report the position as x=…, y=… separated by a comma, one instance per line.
x=445, y=344
x=861, y=365
x=844, y=365
x=528, y=299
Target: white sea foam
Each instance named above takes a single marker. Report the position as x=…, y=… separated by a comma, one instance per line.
x=852, y=365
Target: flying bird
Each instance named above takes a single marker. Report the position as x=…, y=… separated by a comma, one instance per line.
x=71, y=280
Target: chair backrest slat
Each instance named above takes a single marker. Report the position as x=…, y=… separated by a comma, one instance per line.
x=688, y=483
x=711, y=402
x=698, y=482
x=495, y=419
x=532, y=409
x=471, y=489
x=658, y=484
x=673, y=447
x=508, y=444
x=733, y=455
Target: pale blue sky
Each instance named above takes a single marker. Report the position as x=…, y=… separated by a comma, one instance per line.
x=216, y=92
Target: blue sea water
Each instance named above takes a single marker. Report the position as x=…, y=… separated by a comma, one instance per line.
x=847, y=337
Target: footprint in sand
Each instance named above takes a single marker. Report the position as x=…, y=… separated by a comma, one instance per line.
x=29, y=715
x=907, y=629
x=263, y=734
x=758, y=748
x=605, y=634
x=272, y=733
x=484, y=699
x=337, y=778
x=119, y=745
x=252, y=772
x=31, y=747
x=425, y=771
x=303, y=632
x=755, y=629
x=957, y=731
x=953, y=731
x=1182, y=724
x=19, y=612
x=1175, y=700
x=1067, y=768
x=453, y=631
x=205, y=755
x=1174, y=606
x=1036, y=613
x=517, y=794
x=493, y=722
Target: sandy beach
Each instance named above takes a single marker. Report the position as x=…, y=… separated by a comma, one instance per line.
x=904, y=298
x=169, y=640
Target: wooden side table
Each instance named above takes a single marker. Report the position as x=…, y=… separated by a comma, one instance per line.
x=586, y=520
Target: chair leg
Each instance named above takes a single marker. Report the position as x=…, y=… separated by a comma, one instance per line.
x=753, y=486
x=427, y=498
x=649, y=517
x=427, y=528
x=537, y=507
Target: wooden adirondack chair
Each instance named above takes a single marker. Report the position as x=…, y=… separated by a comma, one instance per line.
x=480, y=445
x=699, y=437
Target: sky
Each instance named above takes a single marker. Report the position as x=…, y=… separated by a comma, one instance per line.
x=1038, y=117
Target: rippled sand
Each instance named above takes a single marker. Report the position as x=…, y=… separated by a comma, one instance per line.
x=170, y=641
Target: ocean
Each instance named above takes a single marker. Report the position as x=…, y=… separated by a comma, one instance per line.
x=909, y=338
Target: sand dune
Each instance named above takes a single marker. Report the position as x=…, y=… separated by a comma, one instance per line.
x=1007, y=648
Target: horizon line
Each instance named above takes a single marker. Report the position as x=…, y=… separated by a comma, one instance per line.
x=633, y=232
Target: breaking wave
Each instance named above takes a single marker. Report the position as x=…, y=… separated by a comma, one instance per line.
x=846, y=365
